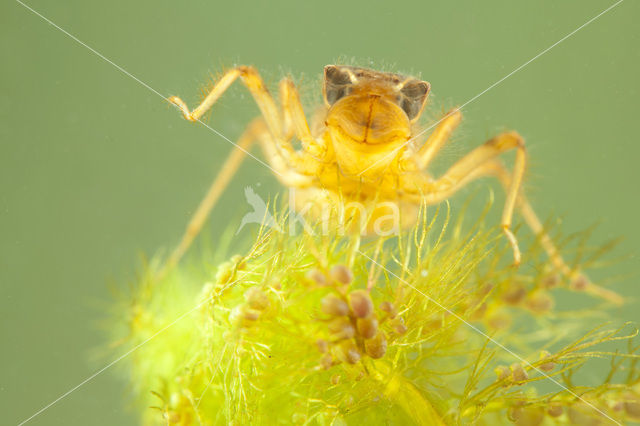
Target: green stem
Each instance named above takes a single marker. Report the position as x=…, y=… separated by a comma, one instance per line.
x=403, y=393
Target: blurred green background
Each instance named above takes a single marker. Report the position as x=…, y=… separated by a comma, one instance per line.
x=96, y=169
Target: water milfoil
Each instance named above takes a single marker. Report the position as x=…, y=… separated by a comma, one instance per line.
x=433, y=326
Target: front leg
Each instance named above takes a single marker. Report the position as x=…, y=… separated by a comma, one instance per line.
x=256, y=86
x=292, y=109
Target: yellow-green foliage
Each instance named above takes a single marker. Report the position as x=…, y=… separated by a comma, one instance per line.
x=288, y=332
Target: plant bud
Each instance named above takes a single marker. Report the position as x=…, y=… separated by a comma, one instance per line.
x=518, y=373
x=326, y=361
x=389, y=309
x=539, y=302
x=632, y=406
x=530, y=416
x=334, y=305
x=256, y=298
x=224, y=273
x=323, y=345
x=398, y=325
x=514, y=413
x=341, y=328
x=486, y=288
x=377, y=346
x=347, y=352
x=499, y=320
x=502, y=372
x=360, y=303
x=276, y=286
x=353, y=355
x=367, y=327
x=514, y=294
x=317, y=277
x=555, y=410
x=478, y=312
x=617, y=407
x=172, y=417
x=551, y=281
x=580, y=283
x=250, y=314
x=547, y=366
x=341, y=274
x=582, y=413
x=243, y=316
x=239, y=261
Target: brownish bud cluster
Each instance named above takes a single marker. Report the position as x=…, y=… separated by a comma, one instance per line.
x=548, y=365
x=580, y=283
x=227, y=270
x=389, y=309
x=256, y=298
x=515, y=374
x=578, y=412
x=317, y=277
x=515, y=294
x=555, y=410
x=631, y=405
x=246, y=314
x=551, y=281
x=334, y=305
x=518, y=373
x=338, y=275
x=539, y=302
x=526, y=415
x=353, y=326
x=341, y=274
x=360, y=303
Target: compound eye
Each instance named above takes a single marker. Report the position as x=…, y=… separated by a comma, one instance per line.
x=337, y=83
x=413, y=96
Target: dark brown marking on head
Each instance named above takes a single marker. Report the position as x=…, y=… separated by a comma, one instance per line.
x=337, y=83
x=413, y=96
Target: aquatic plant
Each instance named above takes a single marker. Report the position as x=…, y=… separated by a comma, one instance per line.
x=433, y=326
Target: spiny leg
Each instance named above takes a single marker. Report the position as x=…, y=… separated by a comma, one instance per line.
x=279, y=144
x=256, y=86
x=262, y=97
x=467, y=167
x=292, y=109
